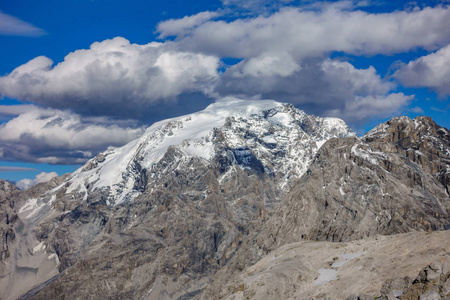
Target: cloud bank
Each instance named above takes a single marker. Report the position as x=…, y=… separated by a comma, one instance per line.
x=113, y=78
x=60, y=137
x=320, y=86
x=432, y=71
x=181, y=26
x=284, y=55
x=41, y=177
x=305, y=33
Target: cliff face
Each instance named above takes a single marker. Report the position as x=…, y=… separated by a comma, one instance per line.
x=421, y=140
x=8, y=217
x=392, y=180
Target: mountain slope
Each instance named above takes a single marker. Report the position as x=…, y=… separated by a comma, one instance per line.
x=157, y=217
x=391, y=181
x=380, y=267
x=356, y=188
x=8, y=217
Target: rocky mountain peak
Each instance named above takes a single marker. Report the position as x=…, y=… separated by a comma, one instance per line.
x=6, y=188
x=181, y=198
x=420, y=140
x=275, y=138
x=408, y=133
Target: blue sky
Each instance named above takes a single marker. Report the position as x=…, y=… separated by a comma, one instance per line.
x=77, y=76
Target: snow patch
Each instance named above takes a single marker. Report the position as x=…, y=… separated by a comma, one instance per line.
x=54, y=257
x=320, y=143
x=30, y=204
x=282, y=119
x=367, y=154
x=39, y=247
x=325, y=276
x=31, y=207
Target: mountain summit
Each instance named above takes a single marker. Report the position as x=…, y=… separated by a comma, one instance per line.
x=176, y=202
x=262, y=135
x=218, y=190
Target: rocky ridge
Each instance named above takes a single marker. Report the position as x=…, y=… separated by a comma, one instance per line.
x=180, y=212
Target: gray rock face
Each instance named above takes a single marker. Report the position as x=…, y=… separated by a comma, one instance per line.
x=420, y=140
x=165, y=242
x=357, y=188
x=431, y=283
x=24, y=263
x=8, y=217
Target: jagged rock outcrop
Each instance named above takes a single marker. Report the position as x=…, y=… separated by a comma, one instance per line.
x=8, y=217
x=421, y=140
x=357, y=188
x=432, y=282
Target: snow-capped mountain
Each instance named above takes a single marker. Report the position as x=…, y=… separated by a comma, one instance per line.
x=277, y=137
x=178, y=200
x=181, y=212
x=160, y=216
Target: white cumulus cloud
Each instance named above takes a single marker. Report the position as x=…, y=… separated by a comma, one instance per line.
x=179, y=26
x=303, y=33
x=113, y=77
x=55, y=136
x=361, y=109
x=15, y=110
x=41, y=177
x=320, y=86
x=432, y=71
x=268, y=64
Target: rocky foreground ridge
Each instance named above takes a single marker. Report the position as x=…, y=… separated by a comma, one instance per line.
x=197, y=206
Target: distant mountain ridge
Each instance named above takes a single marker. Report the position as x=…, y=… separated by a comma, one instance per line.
x=217, y=190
